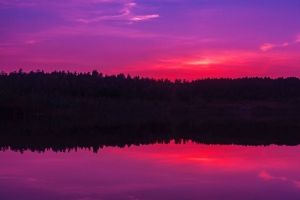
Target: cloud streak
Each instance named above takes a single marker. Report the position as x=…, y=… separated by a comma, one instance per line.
x=268, y=46
x=298, y=39
x=144, y=17
x=266, y=176
x=88, y=11
x=209, y=59
x=124, y=14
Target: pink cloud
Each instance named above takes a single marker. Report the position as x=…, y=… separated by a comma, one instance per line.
x=285, y=44
x=144, y=17
x=124, y=14
x=267, y=46
x=206, y=61
x=217, y=58
x=101, y=9
x=264, y=175
x=217, y=64
x=297, y=184
x=200, y=60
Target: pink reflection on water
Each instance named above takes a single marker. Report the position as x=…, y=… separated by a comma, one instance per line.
x=160, y=171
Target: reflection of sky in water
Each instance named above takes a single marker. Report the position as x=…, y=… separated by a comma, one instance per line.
x=170, y=171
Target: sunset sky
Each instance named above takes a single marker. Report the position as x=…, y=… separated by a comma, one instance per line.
x=154, y=38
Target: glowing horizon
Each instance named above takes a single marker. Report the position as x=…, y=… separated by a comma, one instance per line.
x=159, y=39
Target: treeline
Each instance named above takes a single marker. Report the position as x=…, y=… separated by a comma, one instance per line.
x=96, y=85
x=64, y=93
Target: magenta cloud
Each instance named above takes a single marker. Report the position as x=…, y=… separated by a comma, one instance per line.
x=266, y=176
x=268, y=46
x=125, y=13
x=88, y=11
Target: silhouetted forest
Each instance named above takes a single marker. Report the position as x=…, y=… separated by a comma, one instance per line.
x=64, y=92
x=64, y=110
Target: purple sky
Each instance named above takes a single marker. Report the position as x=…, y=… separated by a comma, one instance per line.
x=162, y=39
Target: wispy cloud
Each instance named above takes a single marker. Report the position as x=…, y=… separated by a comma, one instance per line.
x=205, y=61
x=209, y=59
x=88, y=11
x=124, y=13
x=266, y=176
x=144, y=17
x=268, y=46
x=297, y=183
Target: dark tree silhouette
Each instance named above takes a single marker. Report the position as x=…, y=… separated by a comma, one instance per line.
x=59, y=91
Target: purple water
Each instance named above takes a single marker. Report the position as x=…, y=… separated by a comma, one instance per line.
x=160, y=171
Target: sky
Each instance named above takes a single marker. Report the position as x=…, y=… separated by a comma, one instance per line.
x=152, y=38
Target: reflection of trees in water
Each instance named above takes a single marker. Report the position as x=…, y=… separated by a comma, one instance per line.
x=64, y=134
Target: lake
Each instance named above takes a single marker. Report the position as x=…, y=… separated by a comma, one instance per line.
x=149, y=172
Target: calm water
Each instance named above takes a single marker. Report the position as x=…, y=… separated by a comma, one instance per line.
x=160, y=171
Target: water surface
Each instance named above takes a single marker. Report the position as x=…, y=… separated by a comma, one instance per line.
x=159, y=171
